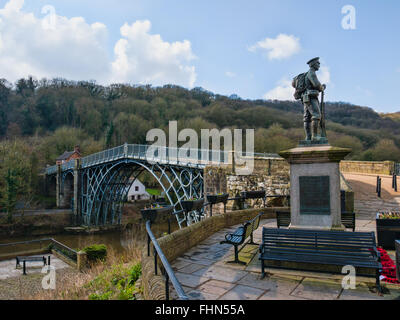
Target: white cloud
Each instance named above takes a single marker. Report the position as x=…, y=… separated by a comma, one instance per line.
x=324, y=75
x=282, y=47
x=285, y=91
x=56, y=46
x=145, y=58
x=72, y=49
x=230, y=74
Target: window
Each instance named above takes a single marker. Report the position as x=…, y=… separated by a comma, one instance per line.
x=136, y=188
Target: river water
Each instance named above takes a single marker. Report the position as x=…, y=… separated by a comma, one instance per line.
x=119, y=241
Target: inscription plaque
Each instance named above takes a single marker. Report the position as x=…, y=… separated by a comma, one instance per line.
x=315, y=195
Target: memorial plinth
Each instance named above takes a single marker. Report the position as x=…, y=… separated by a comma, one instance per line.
x=315, y=186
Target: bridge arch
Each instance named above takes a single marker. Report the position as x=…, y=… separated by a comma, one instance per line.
x=104, y=188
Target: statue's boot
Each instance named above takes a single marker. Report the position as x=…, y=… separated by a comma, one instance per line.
x=307, y=129
x=315, y=125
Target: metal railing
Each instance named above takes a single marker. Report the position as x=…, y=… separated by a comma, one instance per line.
x=179, y=156
x=169, y=273
x=51, y=244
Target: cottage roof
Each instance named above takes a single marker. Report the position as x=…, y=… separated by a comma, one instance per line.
x=66, y=155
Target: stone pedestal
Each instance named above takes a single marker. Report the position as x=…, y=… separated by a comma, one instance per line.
x=315, y=186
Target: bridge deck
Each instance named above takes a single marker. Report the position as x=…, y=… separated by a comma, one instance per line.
x=186, y=157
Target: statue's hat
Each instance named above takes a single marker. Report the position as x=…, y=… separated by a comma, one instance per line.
x=313, y=60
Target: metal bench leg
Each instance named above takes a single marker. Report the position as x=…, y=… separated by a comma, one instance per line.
x=236, y=257
x=378, y=281
x=252, y=240
x=262, y=269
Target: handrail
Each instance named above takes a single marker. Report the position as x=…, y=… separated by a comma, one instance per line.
x=24, y=242
x=51, y=240
x=169, y=273
x=187, y=156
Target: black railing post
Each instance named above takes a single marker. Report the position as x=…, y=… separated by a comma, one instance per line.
x=377, y=184
x=379, y=187
x=155, y=261
x=166, y=286
x=148, y=245
x=169, y=273
x=395, y=182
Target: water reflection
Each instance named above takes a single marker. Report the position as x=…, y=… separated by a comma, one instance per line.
x=134, y=236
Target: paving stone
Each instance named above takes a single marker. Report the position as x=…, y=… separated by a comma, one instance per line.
x=362, y=293
x=241, y=292
x=273, y=295
x=200, y=260
x=201, y=295
x=221, y=273
x=190, y=280
x=216, y=287
x=193, y=267
x=180, y=263
x=172, y=293
x=275, y=286
x=317, y=289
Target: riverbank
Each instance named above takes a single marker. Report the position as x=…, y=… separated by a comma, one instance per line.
x=38, y=224
x=56, y=222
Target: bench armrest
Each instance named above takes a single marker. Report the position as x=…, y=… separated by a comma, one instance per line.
x=229, y=236
x=376, y=253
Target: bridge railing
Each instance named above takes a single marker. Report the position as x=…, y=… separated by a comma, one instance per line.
x=184, y=156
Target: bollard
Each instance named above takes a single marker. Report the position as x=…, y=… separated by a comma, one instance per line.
x=379, y=187
x=395, y=183
x=377, y=184
x=81, y=260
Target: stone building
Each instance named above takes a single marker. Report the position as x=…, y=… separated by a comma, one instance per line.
x=69, y=155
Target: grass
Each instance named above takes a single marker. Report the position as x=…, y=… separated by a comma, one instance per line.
x=111, y=279
x=154, y=192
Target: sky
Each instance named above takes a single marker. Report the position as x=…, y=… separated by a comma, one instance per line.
x=251, y=48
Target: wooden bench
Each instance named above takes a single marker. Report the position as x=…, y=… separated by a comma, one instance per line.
x=240, y=235
x=30, y=259
x=348, y=219
x=338, y=248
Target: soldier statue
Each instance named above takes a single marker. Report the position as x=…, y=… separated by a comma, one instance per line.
x=308, y=89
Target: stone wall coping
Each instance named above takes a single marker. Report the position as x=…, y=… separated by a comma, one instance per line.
x=321, y=154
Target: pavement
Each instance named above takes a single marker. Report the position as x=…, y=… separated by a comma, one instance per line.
x=8, y=267
x=205, y=274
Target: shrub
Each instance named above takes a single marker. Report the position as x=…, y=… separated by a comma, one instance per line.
x=96, y=252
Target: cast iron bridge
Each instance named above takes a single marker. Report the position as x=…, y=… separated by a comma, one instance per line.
x=96, y=186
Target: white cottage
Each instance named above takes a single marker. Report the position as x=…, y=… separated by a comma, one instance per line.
x=138, y=192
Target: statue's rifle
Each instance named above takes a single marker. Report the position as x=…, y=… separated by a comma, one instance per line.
x=322, y=122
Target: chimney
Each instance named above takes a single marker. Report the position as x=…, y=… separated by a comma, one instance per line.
x=77, y=149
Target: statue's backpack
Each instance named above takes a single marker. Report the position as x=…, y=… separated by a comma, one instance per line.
x=299, y=83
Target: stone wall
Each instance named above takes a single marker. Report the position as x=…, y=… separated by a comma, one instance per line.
x=271, y=175
x=179, y=242
x=369, y=167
